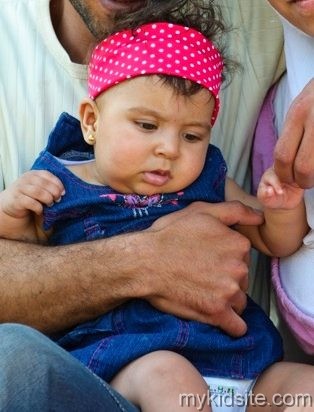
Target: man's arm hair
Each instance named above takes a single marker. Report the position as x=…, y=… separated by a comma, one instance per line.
x=53, y=288
x=173, y=265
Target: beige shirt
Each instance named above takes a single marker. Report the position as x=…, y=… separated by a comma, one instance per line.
x=256, y=42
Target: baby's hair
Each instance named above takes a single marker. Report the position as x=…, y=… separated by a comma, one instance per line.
x=179, y=85
x=202, y=15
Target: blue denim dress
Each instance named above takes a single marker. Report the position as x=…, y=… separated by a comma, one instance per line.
x=108, y=343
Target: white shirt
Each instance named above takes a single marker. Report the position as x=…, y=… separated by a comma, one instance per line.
x=37, y=82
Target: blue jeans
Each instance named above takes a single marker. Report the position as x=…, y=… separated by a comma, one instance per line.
x=37, y=375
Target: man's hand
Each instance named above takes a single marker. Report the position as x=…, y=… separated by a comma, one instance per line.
x=201, y=265
x=294, y=152
x=188, y=263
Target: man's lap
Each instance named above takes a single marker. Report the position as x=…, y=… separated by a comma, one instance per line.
x=37, y=375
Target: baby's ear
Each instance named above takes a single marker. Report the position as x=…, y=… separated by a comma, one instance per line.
x=88, y=116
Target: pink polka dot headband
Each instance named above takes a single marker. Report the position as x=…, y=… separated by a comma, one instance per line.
x=156, y=48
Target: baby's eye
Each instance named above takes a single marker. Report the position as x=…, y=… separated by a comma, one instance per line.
x=191, y=137
x=146, y=125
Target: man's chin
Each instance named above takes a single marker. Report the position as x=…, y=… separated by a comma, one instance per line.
x=121, y=5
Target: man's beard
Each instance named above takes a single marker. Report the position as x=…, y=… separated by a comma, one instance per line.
x=99, y=27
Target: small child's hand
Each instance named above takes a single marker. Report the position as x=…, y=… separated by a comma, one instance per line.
x=30, y=192
x=277, y=195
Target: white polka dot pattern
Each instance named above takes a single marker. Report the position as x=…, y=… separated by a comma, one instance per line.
x=156, y=48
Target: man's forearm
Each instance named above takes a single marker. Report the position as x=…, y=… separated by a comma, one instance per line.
x=173, y=265
x=53, y=288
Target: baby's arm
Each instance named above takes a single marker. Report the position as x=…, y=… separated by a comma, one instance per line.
x=21, y=205
x=285, y=222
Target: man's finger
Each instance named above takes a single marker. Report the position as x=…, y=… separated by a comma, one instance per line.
x=293, y=155
x=233, y=324
x=233, y=213
x=288, y=145
x=303, y=164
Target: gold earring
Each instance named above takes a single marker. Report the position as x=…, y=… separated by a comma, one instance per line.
x=90, y=139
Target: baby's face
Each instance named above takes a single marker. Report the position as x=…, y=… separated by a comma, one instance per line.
x=300, y=13
x=150, y=140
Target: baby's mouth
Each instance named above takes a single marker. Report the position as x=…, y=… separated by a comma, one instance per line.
x=157, y=177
